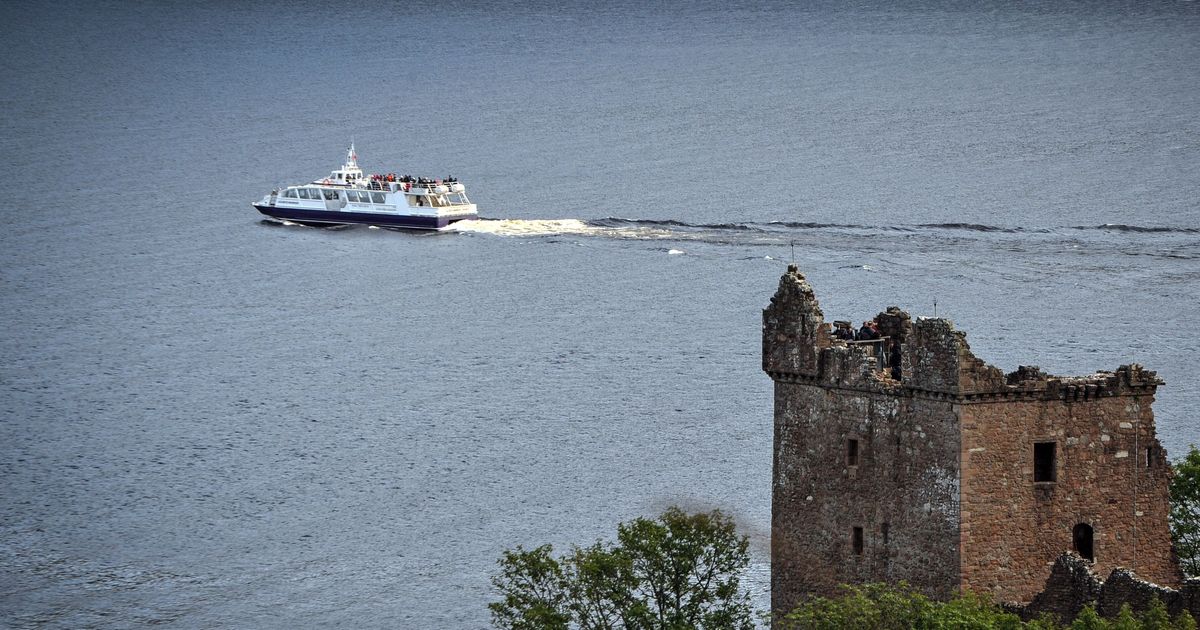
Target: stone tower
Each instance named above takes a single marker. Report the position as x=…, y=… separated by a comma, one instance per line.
x=953, y=475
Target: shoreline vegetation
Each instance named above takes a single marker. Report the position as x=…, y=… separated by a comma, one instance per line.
x=682, y=571
x=887, y=607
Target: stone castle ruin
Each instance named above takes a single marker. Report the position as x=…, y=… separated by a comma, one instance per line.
x=946, y=472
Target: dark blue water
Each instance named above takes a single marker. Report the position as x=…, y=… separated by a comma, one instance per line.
x=208, y=421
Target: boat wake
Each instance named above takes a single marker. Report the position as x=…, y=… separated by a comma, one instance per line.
x=1165, y=242
x=561, y=227
x=615, y=227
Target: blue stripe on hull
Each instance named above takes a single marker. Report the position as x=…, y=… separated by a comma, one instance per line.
x=366, y=218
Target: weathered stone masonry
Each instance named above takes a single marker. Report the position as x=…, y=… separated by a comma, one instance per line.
x=956, y=475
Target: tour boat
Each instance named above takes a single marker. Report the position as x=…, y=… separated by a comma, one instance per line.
x=387, y=200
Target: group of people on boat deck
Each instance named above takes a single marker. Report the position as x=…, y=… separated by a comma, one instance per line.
x=377, y=182
x=409, y=179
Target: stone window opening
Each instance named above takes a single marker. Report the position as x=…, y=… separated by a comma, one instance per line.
x=858, y=541
x=851, y=452
x=1149, y=456
x=883, y=531
x=1044, y=462
x=1081, y=541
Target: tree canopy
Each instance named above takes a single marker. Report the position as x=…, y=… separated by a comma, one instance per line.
x=676, y=572
x=1185, y=512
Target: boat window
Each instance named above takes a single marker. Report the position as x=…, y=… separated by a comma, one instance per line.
x=303, y=193
x=330, y=194
x=291, y=192
x=363, y=197
x=377, y=197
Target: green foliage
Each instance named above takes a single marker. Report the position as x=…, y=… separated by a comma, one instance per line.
x=530, y=585
x=678, y=572
x=1185, y=511
x=1044, y=621
x=1125, y=619
x=1155, y=617
x=884, y=607
x=1089, y=619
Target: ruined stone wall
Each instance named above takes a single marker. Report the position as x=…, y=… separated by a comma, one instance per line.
x=945, y=463
x=1110, y=473
x=794, y=330
x=1073, y=584
x=903, y=492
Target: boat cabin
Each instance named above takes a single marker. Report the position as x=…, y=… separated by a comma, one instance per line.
x=391, y=194
x=348, y=175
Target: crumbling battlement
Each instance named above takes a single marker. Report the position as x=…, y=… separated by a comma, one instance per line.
x=953, y=475
x=937, y=360
x=794, y=330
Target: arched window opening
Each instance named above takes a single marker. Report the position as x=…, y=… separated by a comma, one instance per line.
x=1081, y=538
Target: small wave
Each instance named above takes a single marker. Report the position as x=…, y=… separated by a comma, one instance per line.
x=804, y=225
x=971, y=227
x=1120, y=227
x=616, y=221
x=800, y=225
x=669, y=223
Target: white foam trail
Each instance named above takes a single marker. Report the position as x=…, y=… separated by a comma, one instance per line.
x=554, y=227
x=525, y=227
x=674, y=252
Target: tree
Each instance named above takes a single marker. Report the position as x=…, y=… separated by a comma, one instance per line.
x=677, y=572
x=529, y=582
x=1185, y=512
x=1155, y=617
x=1125, y=619
x=1089, y=619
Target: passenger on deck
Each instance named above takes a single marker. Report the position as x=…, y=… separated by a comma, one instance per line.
x=843, y=331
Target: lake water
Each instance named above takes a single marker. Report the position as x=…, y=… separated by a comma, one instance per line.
x=211, y=421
